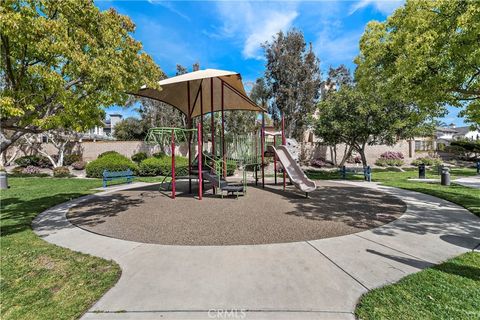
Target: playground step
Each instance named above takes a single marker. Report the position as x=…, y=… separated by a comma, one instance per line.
x=215, y=180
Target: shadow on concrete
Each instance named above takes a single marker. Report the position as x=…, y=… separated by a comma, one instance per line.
x=416, y=263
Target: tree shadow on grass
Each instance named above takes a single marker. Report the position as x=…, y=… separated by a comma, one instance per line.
x=17, y=214
x=464, y=271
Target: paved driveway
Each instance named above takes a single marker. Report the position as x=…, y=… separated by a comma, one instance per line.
x=319, y=279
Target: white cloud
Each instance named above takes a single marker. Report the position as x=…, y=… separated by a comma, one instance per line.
x=333, y=48
x=168, y=5
x=254, y=23
x=386, y=7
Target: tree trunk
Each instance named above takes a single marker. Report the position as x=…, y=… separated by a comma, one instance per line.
x=7, y=142
x=362, y=155
x=346, y=155
x=333, y=154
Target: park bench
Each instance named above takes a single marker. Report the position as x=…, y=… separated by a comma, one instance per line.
x=112, y=175
x=366, y=171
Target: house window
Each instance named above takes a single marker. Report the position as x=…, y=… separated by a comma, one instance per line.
x=423, y=145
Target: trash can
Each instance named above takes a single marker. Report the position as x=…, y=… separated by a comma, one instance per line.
x=3, y=180
x=421, y=171
x=445, y=179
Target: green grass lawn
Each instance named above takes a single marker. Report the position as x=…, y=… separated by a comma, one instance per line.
x=40, y=280
x=448, y=291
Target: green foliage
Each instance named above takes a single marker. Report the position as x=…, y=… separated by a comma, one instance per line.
x=159, y=154
x=426, y=54
x=357, y=118
x=428, y=161
x=35, y=160
x=130, y=129
x=139, y=157
x=71, y=158
x=231, y=167
x=110, y=162
x=108, y=153
x=163, y=166
x=62, y=62
x=293, y=77
x=61, y=172
x=468, y=145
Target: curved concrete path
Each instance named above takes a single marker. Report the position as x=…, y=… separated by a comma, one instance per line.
x=321, y=279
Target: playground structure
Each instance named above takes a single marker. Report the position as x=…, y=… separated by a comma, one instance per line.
x=216, y=91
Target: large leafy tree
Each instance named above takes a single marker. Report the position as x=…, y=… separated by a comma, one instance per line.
x=130, y=129
x=293, y=75
x=359, y=119
x=62, y=62
x=426, y=53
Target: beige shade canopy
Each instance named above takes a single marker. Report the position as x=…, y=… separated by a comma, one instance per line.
x=192, y=92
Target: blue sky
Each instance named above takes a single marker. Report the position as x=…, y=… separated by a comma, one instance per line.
x=228, y=34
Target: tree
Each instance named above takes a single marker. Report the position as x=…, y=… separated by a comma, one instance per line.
x=62, y=62
x=359, y=119
x=61, y=139
x=426, y=53
x=293, y=76
x=130, y=129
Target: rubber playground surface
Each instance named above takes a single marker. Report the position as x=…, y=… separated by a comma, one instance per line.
x=262, y=216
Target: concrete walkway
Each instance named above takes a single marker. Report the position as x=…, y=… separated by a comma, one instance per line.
x=321, y=279
x=471, y=182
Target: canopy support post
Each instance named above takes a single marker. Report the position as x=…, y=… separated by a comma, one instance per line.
x=173, y=164
x=275, y=158
x=200, y=158
x=262, y=137
x=189, y=125
x=223, y=134
x=212, y=126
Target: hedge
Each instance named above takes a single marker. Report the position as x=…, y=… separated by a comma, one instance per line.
x=110, y=162
x=139, y=157
x=428, y=161
x=163, y=166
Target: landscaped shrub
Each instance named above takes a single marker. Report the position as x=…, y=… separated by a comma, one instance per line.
x=111, y=162
x=79, y=165
x=139, y=157
x=163, y=166
x=390, y=158
x=159, y=154
x=231, y=167
x=61, y=172
x=108, y=153
x=30, y=171
x=428, y=161
x=71, y=158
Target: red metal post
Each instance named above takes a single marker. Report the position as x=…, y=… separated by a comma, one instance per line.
x=173, y=164
x=262, y=137
x=189, y=124
x=223, y=135
x=212, y=120
x=200, y=158
x=275, y=158
x=284, y=142
x=201, y=106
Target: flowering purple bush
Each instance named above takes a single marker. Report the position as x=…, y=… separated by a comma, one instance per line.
x=392, y=155
x=390, y=158
x=318, y=163
x=31, y=170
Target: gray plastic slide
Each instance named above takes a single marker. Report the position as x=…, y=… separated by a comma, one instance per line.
x=295, y=173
